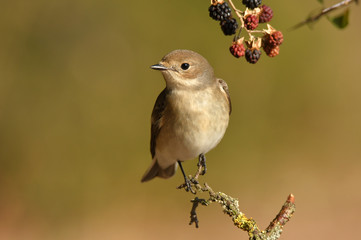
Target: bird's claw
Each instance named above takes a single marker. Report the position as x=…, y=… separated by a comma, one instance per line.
x=187, y=185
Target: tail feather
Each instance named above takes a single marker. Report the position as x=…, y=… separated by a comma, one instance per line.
x=156, y=171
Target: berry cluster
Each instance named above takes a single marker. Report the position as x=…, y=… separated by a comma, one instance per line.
x=254, y=14
x=220, y=11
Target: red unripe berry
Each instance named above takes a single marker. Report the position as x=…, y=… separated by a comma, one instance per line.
x=272, y=52
x=251, y=22
x=273, y=39
x=266, y=14
x=237, y=49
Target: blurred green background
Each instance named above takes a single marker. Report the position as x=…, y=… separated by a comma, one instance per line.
x=76, y=94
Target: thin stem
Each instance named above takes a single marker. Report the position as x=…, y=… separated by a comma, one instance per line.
x=238, y=12
x=240, y=15
x=256, y=31
x=323, y=12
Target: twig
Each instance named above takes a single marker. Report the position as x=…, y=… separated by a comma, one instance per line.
x=282, y=217
x=323, y=12
x=196, y=202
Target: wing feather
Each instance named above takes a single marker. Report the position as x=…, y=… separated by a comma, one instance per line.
x=156, y=120
x=226, y=90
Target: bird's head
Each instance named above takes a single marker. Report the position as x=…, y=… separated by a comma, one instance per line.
x=185, y=69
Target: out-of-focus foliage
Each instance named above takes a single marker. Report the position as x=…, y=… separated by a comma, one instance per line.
x=341, y=20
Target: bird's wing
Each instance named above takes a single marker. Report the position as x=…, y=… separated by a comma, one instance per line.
x=224, y=86
x=157, y=119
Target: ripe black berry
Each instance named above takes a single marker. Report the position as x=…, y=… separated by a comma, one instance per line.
x=266, y=14
x=252, y=55
x=251, y=3
x=219, y=11
x=251, y=22
x=229, y=26
x=237, y=49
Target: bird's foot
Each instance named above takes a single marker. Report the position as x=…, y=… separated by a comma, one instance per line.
x=187, y=185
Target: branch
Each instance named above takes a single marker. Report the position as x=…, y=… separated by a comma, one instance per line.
x=323, y=12
x=231, y=208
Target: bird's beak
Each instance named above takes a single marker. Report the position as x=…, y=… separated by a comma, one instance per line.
x=159, y=66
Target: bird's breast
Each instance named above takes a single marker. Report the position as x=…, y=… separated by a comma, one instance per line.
x=195, y=122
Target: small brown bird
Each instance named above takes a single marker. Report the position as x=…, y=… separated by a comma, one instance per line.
x=190, y=115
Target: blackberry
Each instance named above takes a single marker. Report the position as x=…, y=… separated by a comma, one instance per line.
x=251, y=3
x=229, y=26
x=237, y=49
x=252, y=55
x=219, y=11
x=272, y=52
x=266, y=14
x=251, y=22
x=273, y=39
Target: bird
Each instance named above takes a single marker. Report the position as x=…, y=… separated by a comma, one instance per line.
x=190, y=115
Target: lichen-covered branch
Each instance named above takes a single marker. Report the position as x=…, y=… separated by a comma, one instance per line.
x=231, y=208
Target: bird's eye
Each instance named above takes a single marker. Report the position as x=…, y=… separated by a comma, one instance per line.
x=185, y=66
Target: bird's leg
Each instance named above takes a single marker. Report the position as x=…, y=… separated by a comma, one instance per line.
x=187, y=183
x=202, y=163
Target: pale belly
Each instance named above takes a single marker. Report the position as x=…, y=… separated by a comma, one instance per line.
x=196, y=129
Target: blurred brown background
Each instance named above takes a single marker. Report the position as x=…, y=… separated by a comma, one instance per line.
x=76, y=94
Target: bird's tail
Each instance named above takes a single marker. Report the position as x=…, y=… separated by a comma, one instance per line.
x=156, y=171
